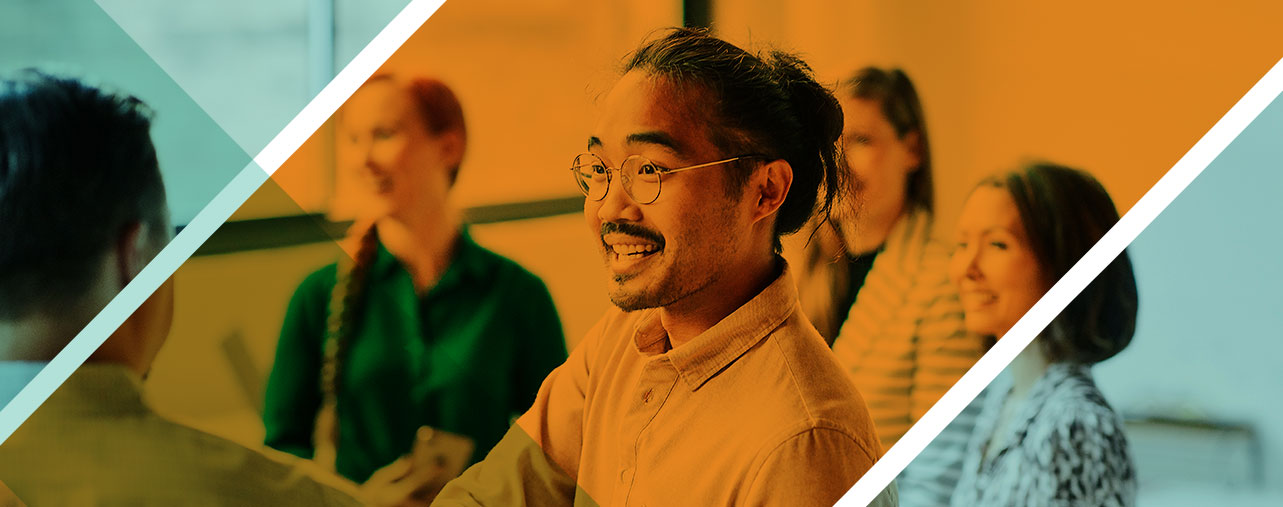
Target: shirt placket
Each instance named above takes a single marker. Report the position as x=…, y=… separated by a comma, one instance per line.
x=653, y=389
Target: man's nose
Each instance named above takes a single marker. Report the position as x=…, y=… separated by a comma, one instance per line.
x=618, y=206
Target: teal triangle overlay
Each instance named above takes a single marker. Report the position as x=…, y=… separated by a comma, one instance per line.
x=251, y=64
x=76, y=37
x=26, y=27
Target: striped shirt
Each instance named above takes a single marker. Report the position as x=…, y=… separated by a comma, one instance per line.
x=929, y=480
x=903, y=341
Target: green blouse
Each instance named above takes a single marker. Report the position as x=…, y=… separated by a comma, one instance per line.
x=466, y=357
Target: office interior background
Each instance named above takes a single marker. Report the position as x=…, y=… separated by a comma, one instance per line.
x=1000, y=84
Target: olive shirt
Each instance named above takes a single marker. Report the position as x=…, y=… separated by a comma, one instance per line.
x=96, y=441
x=466, y=357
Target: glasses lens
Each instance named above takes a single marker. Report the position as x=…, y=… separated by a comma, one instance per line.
x=591, y=175
x=641, y=179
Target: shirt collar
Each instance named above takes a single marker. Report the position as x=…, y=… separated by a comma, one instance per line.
x=713, y=350
x=1056, y=376
x=99, y=389
x=1032, y=406
x=468, y=263
x=15, y=375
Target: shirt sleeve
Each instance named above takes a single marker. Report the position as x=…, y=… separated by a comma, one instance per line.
x=285, y=480
x=293, y=388
x=541, y=342
x=814, y=467
x=537, y=461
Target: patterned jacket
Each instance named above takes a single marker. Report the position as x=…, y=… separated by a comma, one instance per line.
x=1065, y=447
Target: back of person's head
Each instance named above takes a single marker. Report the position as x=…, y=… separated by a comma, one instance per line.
x=769, y=105
x=892, y=89
x=78, y=171
x=1065, y=212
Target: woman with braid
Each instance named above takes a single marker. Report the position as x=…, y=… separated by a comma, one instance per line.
x=418, y=326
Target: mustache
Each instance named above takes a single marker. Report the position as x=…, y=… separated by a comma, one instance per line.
x=632, y=230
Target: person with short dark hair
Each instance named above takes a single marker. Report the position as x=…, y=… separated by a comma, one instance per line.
x=82, y=207
x=706, y=385
x=82, y=211
x=1046, y=435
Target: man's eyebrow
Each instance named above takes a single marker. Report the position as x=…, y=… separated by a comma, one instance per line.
x=656, y=138
x=594, y=142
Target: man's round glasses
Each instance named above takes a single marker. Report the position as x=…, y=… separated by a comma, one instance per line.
x=640, y=177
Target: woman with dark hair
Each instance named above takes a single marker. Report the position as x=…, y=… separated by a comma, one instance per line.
x=1046, y=435
x=872, y=280
x=418, y=326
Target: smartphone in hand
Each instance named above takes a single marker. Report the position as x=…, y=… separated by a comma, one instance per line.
x=450, y=452
x=443, y=455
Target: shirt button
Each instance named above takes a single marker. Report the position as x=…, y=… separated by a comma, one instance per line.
x=646, y=396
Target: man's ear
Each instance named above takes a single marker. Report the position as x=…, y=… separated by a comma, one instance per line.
x=771, y=185
x=132, y=252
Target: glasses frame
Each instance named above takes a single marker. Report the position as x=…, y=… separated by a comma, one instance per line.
x=659, y=174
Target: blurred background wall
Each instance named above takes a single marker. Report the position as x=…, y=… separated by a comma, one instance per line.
x=1201, y=380
x=1118, y=89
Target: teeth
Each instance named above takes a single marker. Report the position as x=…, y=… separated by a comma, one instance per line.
x=623, y=249
x=981, y=298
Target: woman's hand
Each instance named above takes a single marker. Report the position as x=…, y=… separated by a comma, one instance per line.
x=403, y=483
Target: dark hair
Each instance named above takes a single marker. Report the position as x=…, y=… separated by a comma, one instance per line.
x=1065, y=212
x=77, y=166
x=346, y=310
x=437, y=105
x=900, y=106
x=768, y=105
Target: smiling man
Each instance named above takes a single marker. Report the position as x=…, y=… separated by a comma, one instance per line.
x=707, y=386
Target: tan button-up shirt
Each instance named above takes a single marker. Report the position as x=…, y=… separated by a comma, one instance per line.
x=754, y=411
